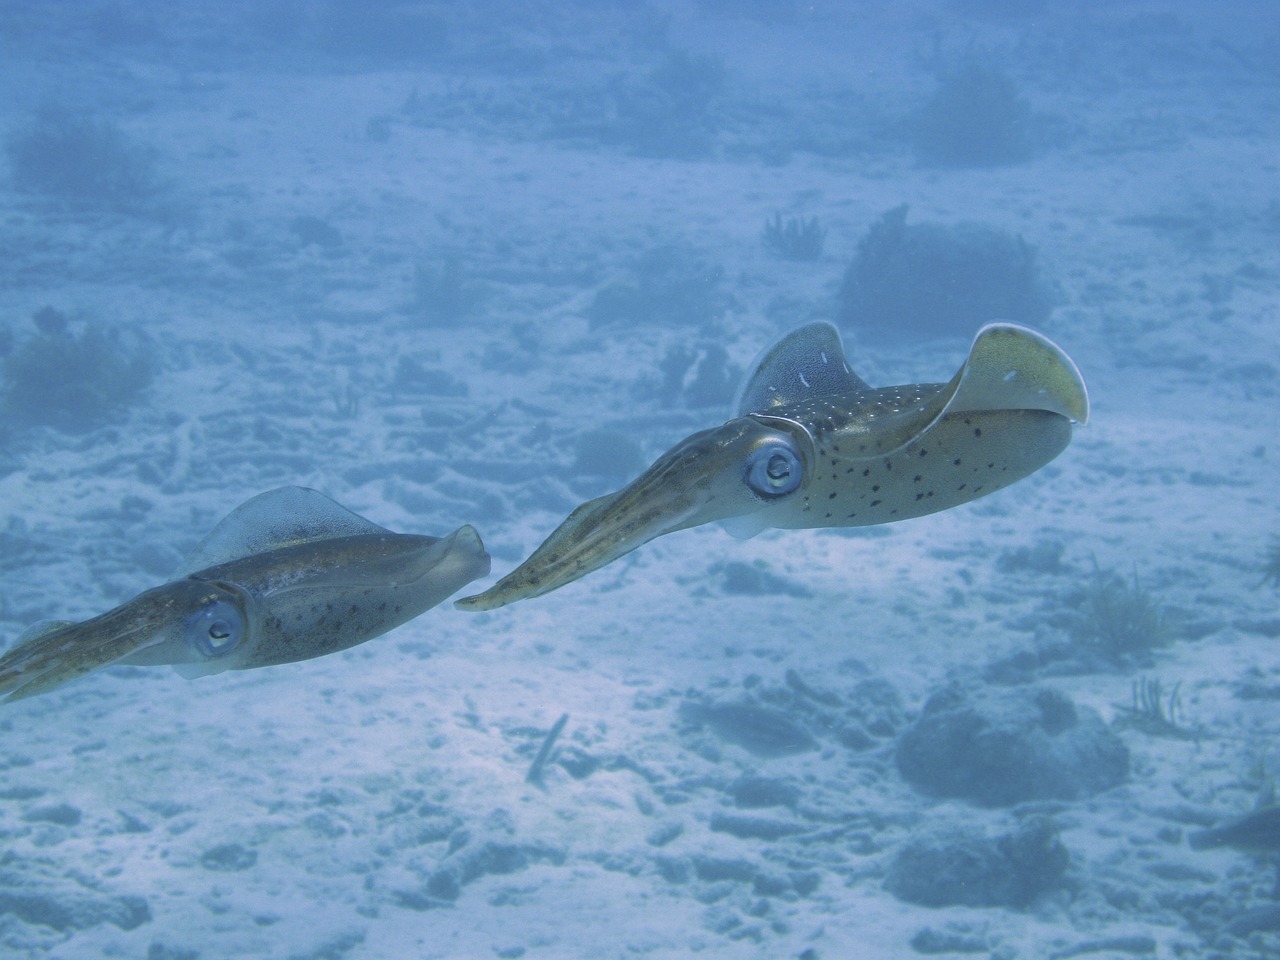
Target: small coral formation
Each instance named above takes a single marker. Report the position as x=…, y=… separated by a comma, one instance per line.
x=1154, y=712
x=1003, y=747
x=670, y=112
x=697, y=378
x=72, y=381
x=669, y=285
x=932, y=280
x=795, y=239
x=975, y=118
x=1044, y=557
x=714, y=379
x=1118, y=619
x=961, y=866
x=83, y=160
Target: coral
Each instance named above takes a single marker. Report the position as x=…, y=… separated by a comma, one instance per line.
x=1153, y=712
x=669, y=285
x=698, y=377
x=957, y=865
x=796, y=239
x=88, y=162
x=71, y=381
x=929, y=280
x=1118, y=618
x=1003, y=747
x=975, y=118
x=1042, y=557
x=714, y=380
x=673, y=367
x=669, y=113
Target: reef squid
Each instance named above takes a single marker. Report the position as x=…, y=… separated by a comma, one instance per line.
x=288, y=575
x=813, y=445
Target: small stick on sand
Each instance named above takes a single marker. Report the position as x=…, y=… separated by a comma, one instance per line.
x=534, y=775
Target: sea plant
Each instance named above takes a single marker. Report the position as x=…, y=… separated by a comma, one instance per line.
x=975, y=118
x=669, y=113
x=714, y=379
x=71, y=380
x=1119, y=619
x=931, y=279
x=695, y=377
x=668, y=285
x=795, y=238
x=1155, y=712
x=72, y=156
x=673, y=367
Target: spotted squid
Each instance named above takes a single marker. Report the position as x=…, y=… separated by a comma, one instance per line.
x=289, y=575
x=813, y=445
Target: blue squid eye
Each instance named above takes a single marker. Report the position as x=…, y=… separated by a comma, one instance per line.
x=215, y=629
x=773, y=469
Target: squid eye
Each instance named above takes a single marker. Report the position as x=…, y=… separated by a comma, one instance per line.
x=773, y=469
x=215, y=629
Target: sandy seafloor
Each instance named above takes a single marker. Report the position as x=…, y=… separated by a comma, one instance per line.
x=304, y=810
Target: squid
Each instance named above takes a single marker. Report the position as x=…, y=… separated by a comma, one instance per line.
x=813, y=445
x=289, y=575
